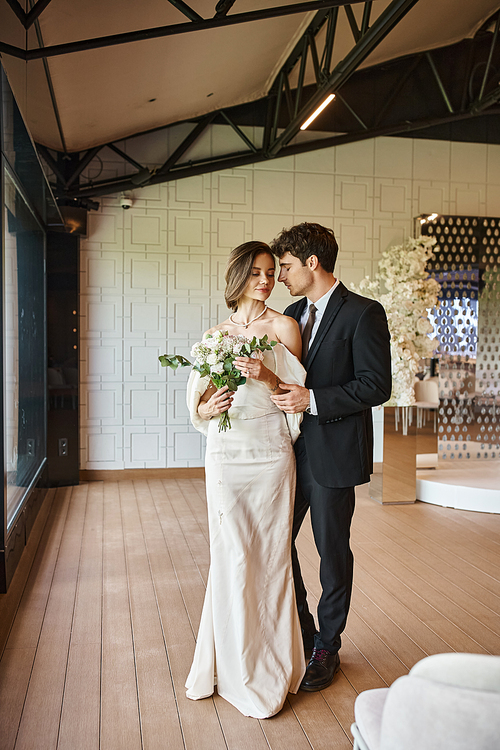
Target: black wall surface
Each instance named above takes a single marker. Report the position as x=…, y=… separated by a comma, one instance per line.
x=62, y=359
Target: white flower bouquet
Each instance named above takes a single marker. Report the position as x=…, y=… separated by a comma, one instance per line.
x=214, y=357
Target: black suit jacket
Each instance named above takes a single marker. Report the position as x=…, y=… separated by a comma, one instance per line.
x=349, y=369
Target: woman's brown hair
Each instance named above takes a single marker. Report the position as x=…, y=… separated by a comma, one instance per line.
x=239, y=269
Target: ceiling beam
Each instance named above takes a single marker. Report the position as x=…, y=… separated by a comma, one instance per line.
x=231, y=161
x=29, y=18
x=174, y=29
x=190, y=139
x=16, y=8
x=186, y=10
x=35, y=12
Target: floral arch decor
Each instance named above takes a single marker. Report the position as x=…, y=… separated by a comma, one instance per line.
x=409, y=295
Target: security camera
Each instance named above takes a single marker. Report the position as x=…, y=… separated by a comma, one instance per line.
x=125, y=202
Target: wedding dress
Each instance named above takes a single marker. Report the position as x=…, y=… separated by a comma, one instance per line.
x=249, y=642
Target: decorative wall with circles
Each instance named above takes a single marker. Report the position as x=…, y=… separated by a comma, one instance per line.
x=466, y=263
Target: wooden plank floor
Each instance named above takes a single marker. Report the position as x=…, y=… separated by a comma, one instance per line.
x=98, y=628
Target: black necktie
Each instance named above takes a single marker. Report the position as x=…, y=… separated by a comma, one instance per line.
x=306, y=333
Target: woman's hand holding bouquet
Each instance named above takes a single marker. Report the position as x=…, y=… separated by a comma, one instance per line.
x=215, y=357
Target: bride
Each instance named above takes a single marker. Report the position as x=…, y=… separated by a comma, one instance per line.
x=249, y=642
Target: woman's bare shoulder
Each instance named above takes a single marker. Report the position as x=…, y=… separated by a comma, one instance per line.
x=283, y=322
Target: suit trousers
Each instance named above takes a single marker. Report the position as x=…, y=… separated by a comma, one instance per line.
x=331, y=515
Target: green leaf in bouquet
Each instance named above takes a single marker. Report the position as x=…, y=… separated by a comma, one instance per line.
x=228, y=365
x=273, y=343
x=247, y=348
x=204, y=370
x=264, y=339
x=232, y=385
x=174, y=361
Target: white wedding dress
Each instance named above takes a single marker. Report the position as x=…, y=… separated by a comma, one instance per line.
x=249, y=642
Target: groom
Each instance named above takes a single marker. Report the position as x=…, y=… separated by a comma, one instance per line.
x=346, y=352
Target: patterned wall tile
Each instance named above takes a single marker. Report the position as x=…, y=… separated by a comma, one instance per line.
x=145, y=404
x=146, y=230
x=352, y=239
x=392, y=198
x=493, y=200
x=355, y=158
x=101, y=360
x=267, y=226
x=102, y=448
x=431, y=159
x=394, y=157
x=388, y=235
x=353, y=273
x=145, y=273
x=190, y=190
x=188, y=230
x=231, y=232
x=285, y=164
x=187, y=319
x=232, y=189
x=146, y=318
x=314, y=194
x=141, y=360
x=177, y=410
x=101, y=317
x=468, y=202
x=102, y=406
x=188, y=274
x=493, y=166
x=322, y=160
x=353, y=197
x=468, y=162
x=430, y=200
x=187, y=447
x=193, y=195
x=273, y=192
x=101, y=273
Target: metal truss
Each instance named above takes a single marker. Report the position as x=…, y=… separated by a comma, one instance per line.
x=29, y=18
x=404, y=96
x=197, y=23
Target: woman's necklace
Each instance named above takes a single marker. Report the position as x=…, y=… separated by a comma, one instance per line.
x=245, y=325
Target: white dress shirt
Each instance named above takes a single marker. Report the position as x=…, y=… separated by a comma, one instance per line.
x=320, y=306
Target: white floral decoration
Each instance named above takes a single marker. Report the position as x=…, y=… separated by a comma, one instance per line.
x=410, y=294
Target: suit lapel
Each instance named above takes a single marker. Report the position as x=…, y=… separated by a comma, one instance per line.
x=336, y=301
x=295, y=311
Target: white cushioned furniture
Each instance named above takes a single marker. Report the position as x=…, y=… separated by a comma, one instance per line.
x=446, y=702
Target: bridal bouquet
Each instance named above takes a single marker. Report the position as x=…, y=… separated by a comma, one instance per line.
x=214, y=357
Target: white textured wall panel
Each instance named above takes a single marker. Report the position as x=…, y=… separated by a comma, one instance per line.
x=468, y=162
x=146, y=230
x=314, y=194
x=273, y=192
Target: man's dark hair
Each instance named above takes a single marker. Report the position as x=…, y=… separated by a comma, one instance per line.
x=305, y=240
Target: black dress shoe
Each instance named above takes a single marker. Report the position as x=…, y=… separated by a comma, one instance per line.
x=322, y=668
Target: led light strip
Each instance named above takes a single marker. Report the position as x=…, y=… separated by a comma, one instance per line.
x=317, y=111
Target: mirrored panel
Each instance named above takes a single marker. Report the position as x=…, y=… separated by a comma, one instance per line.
x=24, y=347
x=467, y=324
